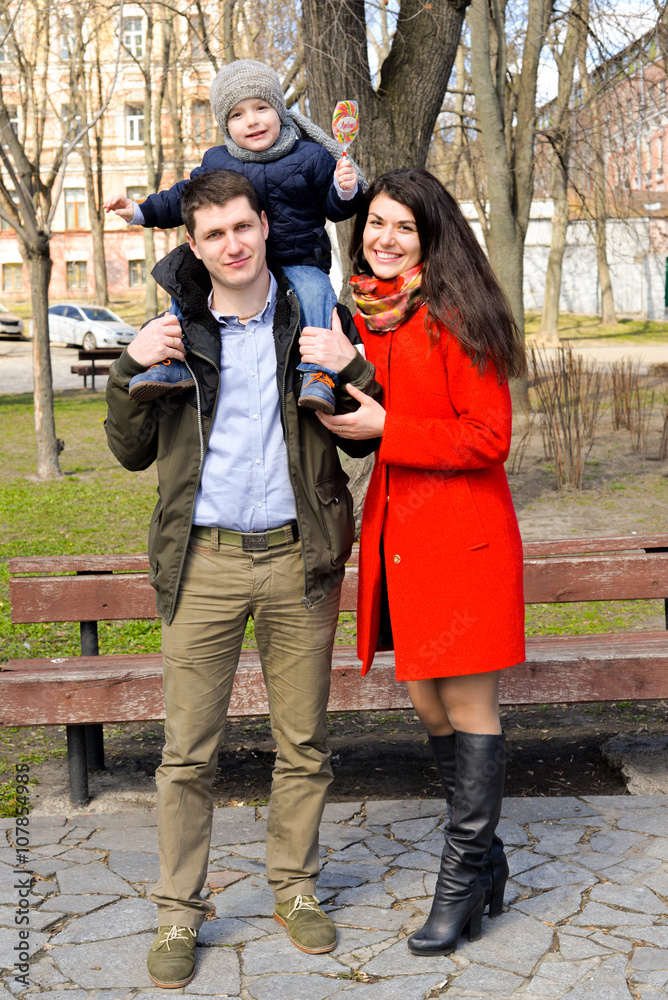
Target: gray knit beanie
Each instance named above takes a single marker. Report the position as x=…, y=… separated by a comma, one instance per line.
x=241, y=80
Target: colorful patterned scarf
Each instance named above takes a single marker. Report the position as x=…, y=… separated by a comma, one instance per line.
x=385, y=304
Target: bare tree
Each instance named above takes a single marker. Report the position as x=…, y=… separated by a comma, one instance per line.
x=85, y=65
x=558, y=134
x=399, y=113
x=506, y=111
x=33, y=162
x=398, y=105
x=593, y=94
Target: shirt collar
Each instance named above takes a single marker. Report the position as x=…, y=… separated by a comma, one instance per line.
x=265, y=313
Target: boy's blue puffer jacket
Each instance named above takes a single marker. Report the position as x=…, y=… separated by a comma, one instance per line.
x=297, y=193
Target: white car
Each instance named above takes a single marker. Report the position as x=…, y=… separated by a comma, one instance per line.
x=89, y=327
x=9, y=323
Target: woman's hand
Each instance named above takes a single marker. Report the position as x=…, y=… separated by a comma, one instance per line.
x=329, y=348
x=367, y=422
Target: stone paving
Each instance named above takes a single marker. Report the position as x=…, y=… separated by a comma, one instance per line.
x=586, y=915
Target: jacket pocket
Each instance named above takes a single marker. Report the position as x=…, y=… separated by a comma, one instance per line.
x=336, y=514
x=465, y=512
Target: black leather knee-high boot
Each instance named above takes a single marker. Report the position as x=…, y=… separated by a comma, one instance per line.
x=459, y=897
x=495, y=871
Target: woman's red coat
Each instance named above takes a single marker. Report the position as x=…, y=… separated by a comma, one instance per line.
x=439, y=497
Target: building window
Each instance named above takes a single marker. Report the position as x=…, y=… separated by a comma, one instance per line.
x=136, y=193
x=76, y=274
x=198, y=30
x=137, y=273
x=12, y=277
x=75, y=208
x=133, y=35
x=202, y=122
x=134, y=124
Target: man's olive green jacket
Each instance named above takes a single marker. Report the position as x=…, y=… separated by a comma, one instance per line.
x=174, y=431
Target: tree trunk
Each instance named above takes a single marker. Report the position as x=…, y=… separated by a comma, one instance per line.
x=228, y=32
x=39, y=262
x=396, y=120
x=559, y=135
x=549, y=323
x=151, y=300
x=608, y=314
x=101, y=296
x=600, y=215
x=507, y=120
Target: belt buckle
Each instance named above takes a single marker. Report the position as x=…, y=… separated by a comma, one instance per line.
x=254, y=541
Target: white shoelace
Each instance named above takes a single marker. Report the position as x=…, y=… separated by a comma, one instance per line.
x=304, y=903
x=177, y=934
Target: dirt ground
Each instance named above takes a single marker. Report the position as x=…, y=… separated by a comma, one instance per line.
x=553, y=750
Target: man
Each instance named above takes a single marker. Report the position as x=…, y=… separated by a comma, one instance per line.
x=254, y=519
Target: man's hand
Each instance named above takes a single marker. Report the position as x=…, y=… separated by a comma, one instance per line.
x=158, y=340
x=121, y=206
x=329, y=348
x=367, y=422
x=345, y=174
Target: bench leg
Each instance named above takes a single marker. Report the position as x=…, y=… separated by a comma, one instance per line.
x=95, y=746
x=94, y=733
x=77, y=764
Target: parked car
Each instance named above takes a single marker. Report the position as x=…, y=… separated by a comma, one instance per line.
x=88, y=327
x=9, y=323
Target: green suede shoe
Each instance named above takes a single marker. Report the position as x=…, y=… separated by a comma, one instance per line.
x=171, y=957
x=309, y=928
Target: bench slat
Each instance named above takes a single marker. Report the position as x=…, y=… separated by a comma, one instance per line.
x=88, y=370
x=116, y=597
x=613, y=543
x=129, y=688
x=596, y=578
x=138, y=563
x=74, y=564
x=107, y=597
x=624, y=666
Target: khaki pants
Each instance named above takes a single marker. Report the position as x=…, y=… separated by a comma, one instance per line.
x=219, y=591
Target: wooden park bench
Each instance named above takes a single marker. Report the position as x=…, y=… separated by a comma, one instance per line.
x=85, y=691
x=93, y=368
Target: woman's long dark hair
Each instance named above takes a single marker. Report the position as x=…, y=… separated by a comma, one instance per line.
x=459, y=287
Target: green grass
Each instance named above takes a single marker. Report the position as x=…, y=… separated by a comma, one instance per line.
x=593, y=617
x=98, y=507
x=573, y=328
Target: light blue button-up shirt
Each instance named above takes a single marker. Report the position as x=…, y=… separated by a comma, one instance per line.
x=245, y=483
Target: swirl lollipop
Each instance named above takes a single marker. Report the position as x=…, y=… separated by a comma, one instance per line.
x=345, y=123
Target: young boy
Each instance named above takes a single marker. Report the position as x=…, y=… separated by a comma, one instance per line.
x=300, y=185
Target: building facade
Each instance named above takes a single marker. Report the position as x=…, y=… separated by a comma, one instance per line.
x=154, y=130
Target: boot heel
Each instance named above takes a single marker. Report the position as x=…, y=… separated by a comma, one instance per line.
x=474, y=925
x=496, y=899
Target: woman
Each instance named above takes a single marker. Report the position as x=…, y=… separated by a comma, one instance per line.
x=439, y=533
